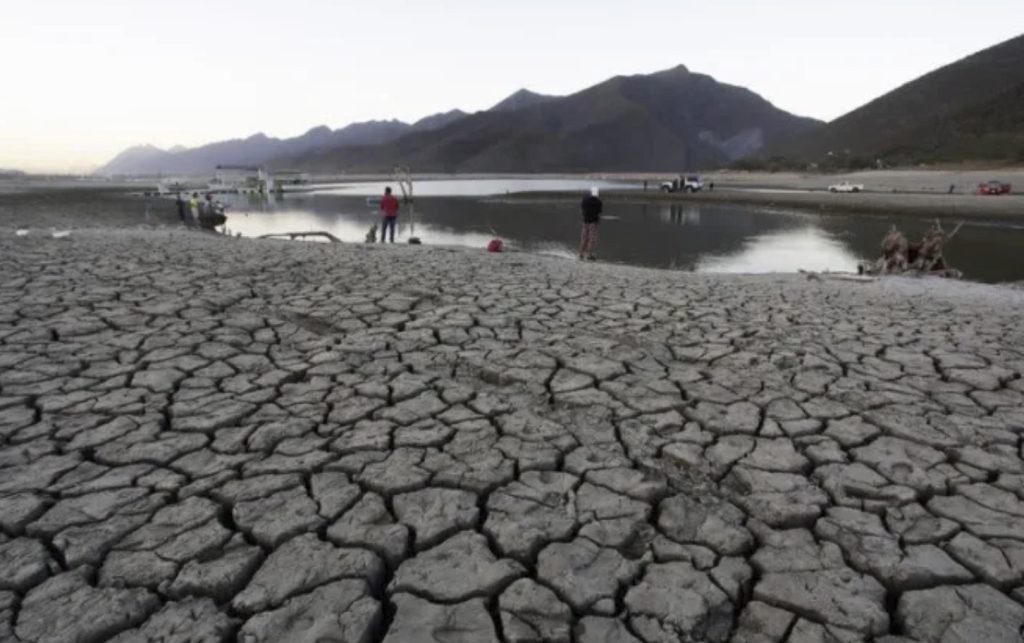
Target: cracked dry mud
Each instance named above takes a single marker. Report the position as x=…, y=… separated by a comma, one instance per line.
x=207, y=439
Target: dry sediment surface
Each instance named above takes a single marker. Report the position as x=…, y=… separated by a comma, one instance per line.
x=207, y=439
x=934, y=180
x=1001, y=209
x=948, y=206
x=34, y=207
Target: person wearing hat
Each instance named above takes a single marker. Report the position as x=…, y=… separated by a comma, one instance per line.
x=591, y=207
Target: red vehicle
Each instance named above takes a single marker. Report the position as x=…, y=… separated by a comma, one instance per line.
x=994, y=187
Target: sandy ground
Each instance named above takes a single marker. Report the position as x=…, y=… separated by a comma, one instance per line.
x=918, y=193
x=914, y=204
x=898, y=180
x=895, y=180
x=81, y=207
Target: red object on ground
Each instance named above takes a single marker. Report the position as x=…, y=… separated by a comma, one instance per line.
x=389, y=206
x=495, y=245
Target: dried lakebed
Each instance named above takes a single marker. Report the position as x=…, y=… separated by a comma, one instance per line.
x=207, y=439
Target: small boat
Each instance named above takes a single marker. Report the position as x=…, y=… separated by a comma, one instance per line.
x=291, y=181
x=171, y=186
x=373, y=201
x=211, y=221
x=212, y=216
x=233, y=179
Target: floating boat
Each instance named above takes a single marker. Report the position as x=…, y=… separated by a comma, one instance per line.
x=212, y=215
x=171, y=186
x=291, y=181
x=234, y=179
x=211, y=221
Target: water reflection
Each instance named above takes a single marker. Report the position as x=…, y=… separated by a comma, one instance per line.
x=804, y=249
x=477, y=187
x=681, y=214
x=705, y=237
x=350, y=229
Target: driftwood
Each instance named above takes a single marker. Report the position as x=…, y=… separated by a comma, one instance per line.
x=813, y=275
x=403, y=176
x=292, y=235
x=925, y=257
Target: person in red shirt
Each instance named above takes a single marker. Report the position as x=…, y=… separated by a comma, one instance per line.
x=389, y=208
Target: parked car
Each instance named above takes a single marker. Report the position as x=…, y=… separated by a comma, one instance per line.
x=994, y=187
x=690, y=183
x=846, y=186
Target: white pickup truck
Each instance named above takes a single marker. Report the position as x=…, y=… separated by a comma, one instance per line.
x=846, y=186
x=689, y=183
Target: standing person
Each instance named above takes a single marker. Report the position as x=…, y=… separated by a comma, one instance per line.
x=194, y=207
x=591, y=207
x=389, y=210
x=180, y=202
x=645, y=186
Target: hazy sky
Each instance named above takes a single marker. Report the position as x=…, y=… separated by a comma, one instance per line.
x=84, y=79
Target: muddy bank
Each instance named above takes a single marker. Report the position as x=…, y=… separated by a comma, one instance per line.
x=1003, y=208
x=83, y=207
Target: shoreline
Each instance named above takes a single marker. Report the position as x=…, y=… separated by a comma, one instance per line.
x=113, y=210
x=911, y=193
x=999, y=209
x=919, y=284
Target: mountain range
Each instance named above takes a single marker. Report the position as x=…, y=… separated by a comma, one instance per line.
x=260, y=149
x=673, y=120
x=972, y=109
x=670, y=120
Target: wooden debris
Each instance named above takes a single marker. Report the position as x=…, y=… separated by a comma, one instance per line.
x=899, y=257
x=836, y=276
x=292, y=235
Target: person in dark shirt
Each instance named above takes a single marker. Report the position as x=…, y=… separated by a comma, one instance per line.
x=180, y=202
x=591, y=207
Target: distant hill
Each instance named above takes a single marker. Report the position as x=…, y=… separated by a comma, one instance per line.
x=670, y=121
x=970, y=109
x=519, y=100
x=259, y=148
x=133, y=158
x=993, y=130
x=437, y=121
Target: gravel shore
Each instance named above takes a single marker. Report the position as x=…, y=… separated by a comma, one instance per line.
x=214, y=439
